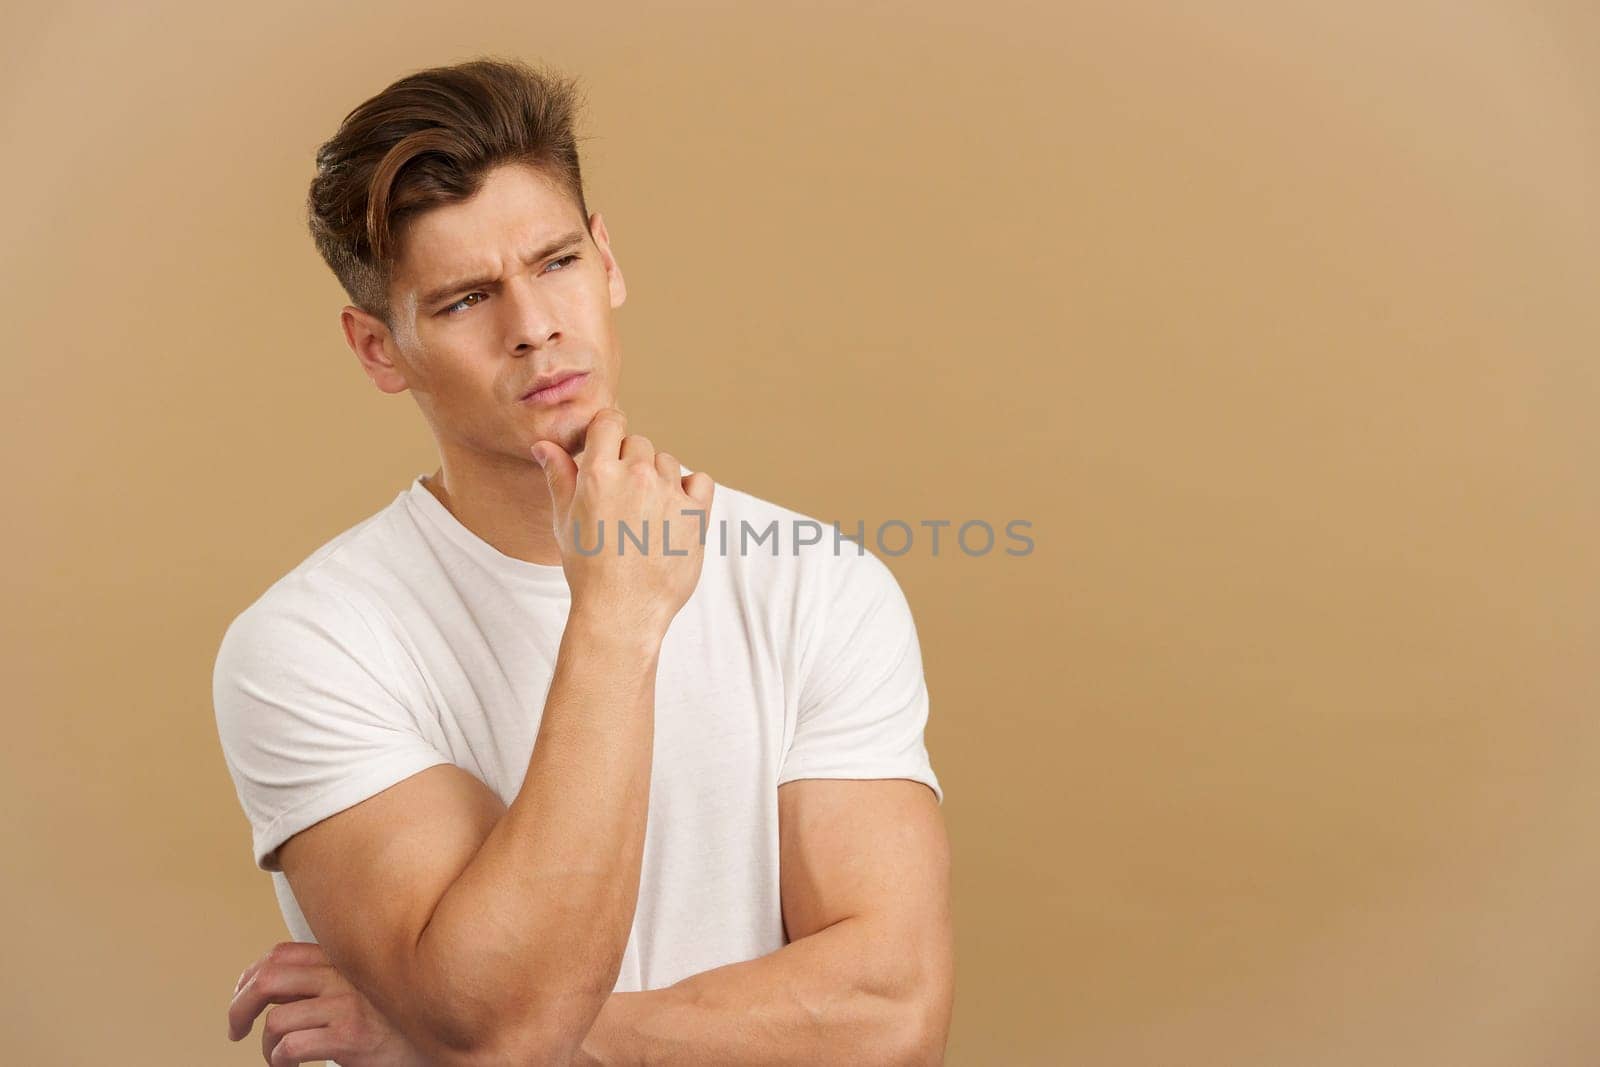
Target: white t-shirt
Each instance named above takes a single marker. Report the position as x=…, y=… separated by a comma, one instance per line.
x=408, y=641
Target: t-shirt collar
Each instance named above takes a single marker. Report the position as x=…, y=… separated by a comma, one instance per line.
x=436, y=517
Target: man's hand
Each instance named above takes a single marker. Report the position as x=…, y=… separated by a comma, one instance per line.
x=623, y=480
x=325, y=1017
x=318, y=1014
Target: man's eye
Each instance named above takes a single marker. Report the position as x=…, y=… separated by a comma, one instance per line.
x=451, y=310
x=462, y=304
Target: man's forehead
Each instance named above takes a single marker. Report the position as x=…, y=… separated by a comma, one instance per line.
x=514, y=200
x=431, y=255
x=435, y=278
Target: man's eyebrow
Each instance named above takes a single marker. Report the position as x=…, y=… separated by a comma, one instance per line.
x=438, y=293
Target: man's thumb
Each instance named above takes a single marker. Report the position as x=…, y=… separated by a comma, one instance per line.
x=560, y=472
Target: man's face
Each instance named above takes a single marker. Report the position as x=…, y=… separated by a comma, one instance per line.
x=493, y=295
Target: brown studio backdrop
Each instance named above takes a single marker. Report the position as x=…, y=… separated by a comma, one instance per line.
x=1277, y=322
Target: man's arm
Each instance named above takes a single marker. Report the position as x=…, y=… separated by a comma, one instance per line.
x=485, y=933
x=489, y=934
x=868, y=976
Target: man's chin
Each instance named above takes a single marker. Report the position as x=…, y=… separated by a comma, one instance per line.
x=569, y=428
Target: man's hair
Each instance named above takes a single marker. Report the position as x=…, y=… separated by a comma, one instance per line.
x=430, y=139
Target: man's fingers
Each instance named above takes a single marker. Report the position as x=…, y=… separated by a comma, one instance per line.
x=700, y=488
x=304, y=953
x=637, y=446
x=276, y=984
x=284, y=1019
x=306, y=1046
x=604, y=437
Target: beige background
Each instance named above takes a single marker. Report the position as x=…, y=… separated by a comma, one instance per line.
x=1278, y=322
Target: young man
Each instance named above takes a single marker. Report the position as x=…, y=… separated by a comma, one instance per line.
x=533, y=788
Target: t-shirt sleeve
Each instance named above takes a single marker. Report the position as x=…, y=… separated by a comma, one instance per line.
x=305, y=696
x=863, y=701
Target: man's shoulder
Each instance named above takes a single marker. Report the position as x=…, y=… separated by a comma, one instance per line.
x=741, y=505
x=333, y=584
x=758, y=534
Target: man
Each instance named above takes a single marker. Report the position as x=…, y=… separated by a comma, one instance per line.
x=534, y=788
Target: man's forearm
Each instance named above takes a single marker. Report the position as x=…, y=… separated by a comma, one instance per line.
x=842, y=995
x=530, y=936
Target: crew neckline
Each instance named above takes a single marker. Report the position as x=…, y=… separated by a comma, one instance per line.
x=545, y=576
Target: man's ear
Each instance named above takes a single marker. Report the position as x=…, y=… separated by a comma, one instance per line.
x=374, y=347
x=602, y=240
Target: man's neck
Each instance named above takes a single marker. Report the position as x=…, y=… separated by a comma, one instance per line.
x=508, y=507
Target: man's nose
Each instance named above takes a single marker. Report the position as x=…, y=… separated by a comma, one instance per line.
x=532, y=319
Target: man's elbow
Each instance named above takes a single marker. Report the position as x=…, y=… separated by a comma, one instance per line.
x=919, y=997
x=930, y=1003
x=549, y=1032
x=923, y=1031
x=470, y=1018
x=522, y=1047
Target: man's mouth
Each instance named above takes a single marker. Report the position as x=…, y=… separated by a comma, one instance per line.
x=554, y=388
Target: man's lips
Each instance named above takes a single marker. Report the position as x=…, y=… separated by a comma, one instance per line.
x=555, y=388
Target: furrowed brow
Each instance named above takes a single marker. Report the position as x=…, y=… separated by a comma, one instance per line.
x=554, y=245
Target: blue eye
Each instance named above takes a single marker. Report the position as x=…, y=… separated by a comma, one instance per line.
x=462, y=304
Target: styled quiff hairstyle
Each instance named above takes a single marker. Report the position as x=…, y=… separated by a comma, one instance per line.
x=430, y=139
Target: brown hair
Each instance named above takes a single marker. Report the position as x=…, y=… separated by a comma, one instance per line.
x=431, y=138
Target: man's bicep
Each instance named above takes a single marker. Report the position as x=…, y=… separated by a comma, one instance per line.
x=873, y=848
x=873, y=856
x=368, y=879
